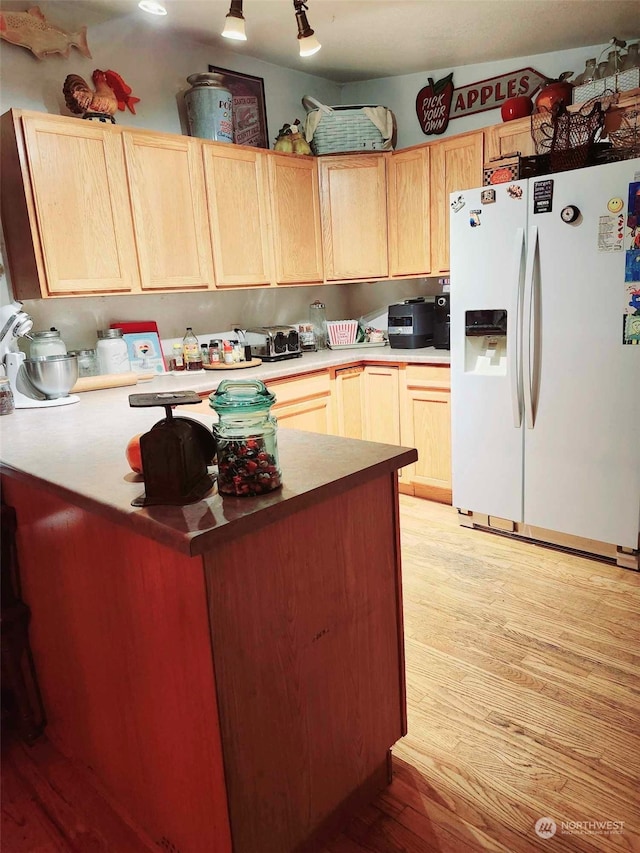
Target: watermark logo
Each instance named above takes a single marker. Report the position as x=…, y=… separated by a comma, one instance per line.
x=546, y=827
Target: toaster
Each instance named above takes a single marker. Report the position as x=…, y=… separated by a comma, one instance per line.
x=274, y=343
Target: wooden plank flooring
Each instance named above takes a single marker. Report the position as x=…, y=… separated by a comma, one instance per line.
x=522, y=676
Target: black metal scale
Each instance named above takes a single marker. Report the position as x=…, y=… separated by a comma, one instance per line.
x=176, y=453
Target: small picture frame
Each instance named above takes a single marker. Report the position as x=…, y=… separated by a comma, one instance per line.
x=145, y=352
x=249, y=107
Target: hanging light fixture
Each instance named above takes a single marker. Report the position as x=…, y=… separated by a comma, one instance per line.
x=309, y=44
x=234, y=22
x=152, y=7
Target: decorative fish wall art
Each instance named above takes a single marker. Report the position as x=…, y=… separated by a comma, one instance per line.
x=32, y=30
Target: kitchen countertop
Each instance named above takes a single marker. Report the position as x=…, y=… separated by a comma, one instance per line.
x=208, y=380
x=78, y=452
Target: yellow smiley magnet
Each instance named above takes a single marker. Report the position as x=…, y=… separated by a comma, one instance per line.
x=615, y=205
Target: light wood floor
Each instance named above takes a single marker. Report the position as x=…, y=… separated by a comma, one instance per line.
x=522, y=673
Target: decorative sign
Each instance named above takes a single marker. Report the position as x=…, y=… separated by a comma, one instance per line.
x=433, y=105
x=543, y=196
x=438, y=102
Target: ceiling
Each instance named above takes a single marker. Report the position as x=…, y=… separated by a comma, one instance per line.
x=365, y=39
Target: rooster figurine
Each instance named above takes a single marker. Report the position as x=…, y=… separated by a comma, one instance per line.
x=111, y=94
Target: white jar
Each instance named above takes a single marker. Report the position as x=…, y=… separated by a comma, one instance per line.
x=112, y=352
x=46, y=343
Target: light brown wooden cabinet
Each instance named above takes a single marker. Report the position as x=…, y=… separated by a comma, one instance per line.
x=239, y=214
x=295, y=209
x=353, y=206
x=304, y=402
x=508, y=138
x=409, y=212
x=349, y=402
x=65, y=208
x=456, y=164
x=381, y=404
x=426, y=425
x=166, y=182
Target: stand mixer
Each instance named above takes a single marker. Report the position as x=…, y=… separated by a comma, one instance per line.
x=16, y=323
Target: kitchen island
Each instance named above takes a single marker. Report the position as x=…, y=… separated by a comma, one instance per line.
x=231, y=671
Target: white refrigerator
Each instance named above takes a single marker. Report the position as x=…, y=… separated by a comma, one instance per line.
x=545, y=352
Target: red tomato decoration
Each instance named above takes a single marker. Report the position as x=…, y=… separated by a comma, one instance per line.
x=133, y=454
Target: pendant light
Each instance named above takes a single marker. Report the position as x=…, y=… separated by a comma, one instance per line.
x=152, y=7
x=234, y=22
x=309, y=44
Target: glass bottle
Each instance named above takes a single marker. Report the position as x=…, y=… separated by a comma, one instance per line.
x=178, y=357
x=204, y=350
x=613, y=63
x=601, y=71
x=191, y=351
x=632, y=58
x=589, y=71
x=318, y=319
x=246, y=438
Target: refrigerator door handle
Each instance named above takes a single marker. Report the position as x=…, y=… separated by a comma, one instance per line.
x=528, y=337
x=514, y=349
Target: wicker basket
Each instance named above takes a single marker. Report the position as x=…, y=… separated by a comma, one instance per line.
x=338, y=130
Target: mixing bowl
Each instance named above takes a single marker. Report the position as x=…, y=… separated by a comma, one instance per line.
x=53, y=375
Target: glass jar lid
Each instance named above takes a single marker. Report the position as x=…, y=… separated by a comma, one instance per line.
x=109, y=333
x=241, y=395
x=46, y=335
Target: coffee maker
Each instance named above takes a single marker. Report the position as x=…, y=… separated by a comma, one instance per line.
x=54, y=378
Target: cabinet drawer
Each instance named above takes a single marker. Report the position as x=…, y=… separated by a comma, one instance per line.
x=312, y=385
x=428, y=376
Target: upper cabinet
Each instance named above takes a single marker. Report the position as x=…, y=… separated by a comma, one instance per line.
x=456, y=164
x=408, y=193
x=295, y=205
x=508, y=138
x=353, y=204
x=166, y=183
x=238, y=203
x=65, y=208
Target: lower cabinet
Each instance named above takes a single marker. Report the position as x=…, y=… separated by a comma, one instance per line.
x=304, y=402
x=349, y=402
x=426, y=425
x=381, y=404
x=405, y=405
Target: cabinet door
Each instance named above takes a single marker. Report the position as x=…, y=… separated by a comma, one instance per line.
x=456, y=164
x=314, y=415
x=349, y=397
x=381, y=404
x=79, y=186
x=408, y=195
x=237, y=197
x=426, y=425
x=295, y=204
x=167, y=190
x=509, y=137
x=354, y=217
x=304, y=402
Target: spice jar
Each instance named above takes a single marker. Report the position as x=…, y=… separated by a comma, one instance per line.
x=7, y=404
x=87, y=362
x=246, y=438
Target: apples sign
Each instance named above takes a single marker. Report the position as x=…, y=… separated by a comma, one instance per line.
x=433, y=104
